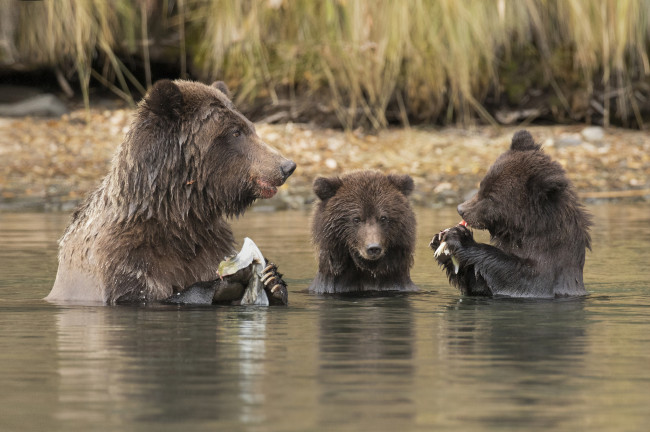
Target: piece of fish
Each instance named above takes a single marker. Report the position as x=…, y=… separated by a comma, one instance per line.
x=443, y=249
x=249, y=255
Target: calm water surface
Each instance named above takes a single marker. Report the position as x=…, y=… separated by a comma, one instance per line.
x=427, y=361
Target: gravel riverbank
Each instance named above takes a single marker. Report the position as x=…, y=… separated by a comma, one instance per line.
x=50, y=164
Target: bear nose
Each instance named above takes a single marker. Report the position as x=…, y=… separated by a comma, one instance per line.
x=460, y=209
x=373, y=250
x=287, y=167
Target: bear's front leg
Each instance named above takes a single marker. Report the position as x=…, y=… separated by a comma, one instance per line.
x=459, y=272
x=227, y=290
x=274, y=285
x=230, y=289
x=216, y=291
x=235, y=285
x=494, y=272
x=443, y=259
x=458, y=238
x=447, y=240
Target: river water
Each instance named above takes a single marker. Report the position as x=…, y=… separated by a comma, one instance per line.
x=432, y=360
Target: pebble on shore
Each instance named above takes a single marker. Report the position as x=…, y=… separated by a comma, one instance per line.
x=50, y=164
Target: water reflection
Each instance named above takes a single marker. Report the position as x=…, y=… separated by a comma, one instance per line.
x=523, y=351
x=115, y=356
x=517, y=331
x=426, y=361
x=366, y=359
x=252, y=353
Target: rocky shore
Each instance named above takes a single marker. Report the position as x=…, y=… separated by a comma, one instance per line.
x=50, y=164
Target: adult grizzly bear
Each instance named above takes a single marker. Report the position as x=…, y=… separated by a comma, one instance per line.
x=364, y=230
x=539, y=230
x=156, y=224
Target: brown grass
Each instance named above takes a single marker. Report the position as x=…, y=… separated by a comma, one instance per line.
x=434, y=60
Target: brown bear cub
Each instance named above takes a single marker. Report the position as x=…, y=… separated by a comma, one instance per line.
x=539, y=230
x=364, y=230
x=157, y=223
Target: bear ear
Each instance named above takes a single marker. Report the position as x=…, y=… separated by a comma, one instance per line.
x=523, y=141
x=549, y=187
x=165, y=99
x=404, y=183
x=325, y=188
x=553, y=186
x=222, y=87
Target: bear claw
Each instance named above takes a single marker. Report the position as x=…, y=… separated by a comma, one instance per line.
x=443, y=249
x=274, y=285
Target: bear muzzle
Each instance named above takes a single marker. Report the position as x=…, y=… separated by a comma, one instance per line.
x=267, y=186
x=469, y=212
x=370, y=247
x=374, y=251
x=270, y=169
x=265, y=189
x=462, y=209
x=287, y=167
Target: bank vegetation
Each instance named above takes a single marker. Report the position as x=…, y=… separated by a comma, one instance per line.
x=364, y=63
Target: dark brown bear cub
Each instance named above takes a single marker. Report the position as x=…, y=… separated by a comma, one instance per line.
x=539, y=230
x=364, y=230
x=157, y=223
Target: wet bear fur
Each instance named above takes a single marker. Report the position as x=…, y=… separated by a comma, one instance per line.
x=363, y=228
x=539, y=230
x=157, y=223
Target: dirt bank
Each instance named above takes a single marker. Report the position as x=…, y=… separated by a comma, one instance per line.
x=50, y=164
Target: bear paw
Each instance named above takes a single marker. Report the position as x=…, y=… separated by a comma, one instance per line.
x=274, y=285
x=457, y=238
x=437, y=239
x=437, y=244
x=442, y=253
x=448, y=243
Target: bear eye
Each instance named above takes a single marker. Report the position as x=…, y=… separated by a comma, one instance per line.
x=356, y=220
x=383, y=219
x=236, y=133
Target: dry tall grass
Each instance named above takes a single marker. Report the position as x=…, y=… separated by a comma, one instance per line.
x=433, y=60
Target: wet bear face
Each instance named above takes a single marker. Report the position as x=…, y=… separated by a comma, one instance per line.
x=519, y=192
x=196, y=146
x=365, y=217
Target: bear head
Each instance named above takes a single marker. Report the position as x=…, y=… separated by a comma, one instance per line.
x=190, y=150
x=364, y=217
x=524, y=194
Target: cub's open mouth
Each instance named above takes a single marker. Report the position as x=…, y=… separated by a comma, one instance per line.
x=265, y=189
x=471, y=227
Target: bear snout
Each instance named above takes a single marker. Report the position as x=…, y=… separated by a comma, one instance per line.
x=370, y=244
x=374, y=250
x=270, y=170
x=461, y=209
x=466, y=208
x=473, y=212
x=287, y=167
